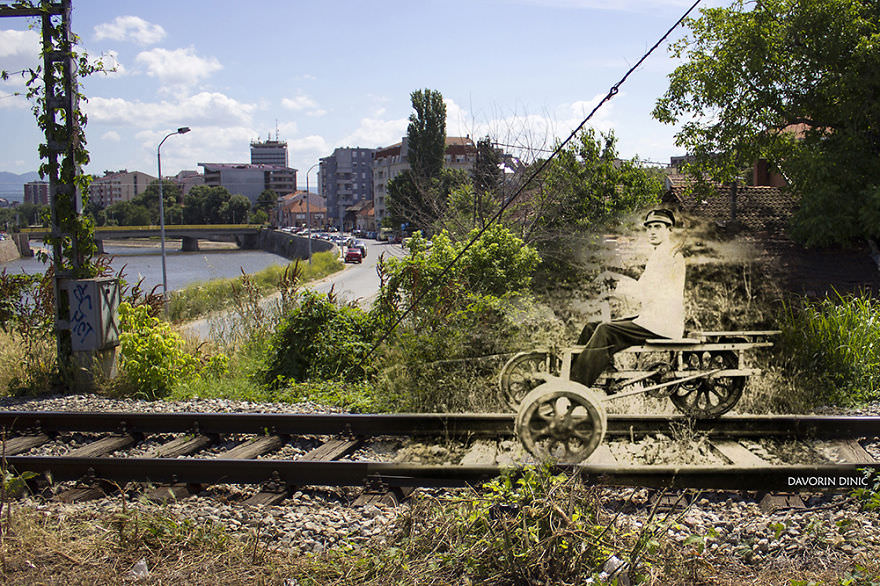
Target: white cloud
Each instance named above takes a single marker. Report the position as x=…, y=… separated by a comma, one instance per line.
x=130, y=28
x=309, y=143
x=14, y=100
x=303, y=103
x=375, y=132
x=19, y=50
x=111, y=136
x=205, y=144
x=113, y=67
x=209, y=108
x=178, y=67
x=298, y=103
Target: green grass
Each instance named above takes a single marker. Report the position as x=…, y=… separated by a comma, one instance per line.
x=242, y=383
x=200, y=299
x=834, y=346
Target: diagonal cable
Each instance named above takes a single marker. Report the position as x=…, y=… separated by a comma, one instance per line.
x=611, y=93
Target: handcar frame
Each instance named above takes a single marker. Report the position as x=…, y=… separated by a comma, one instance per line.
x=703, y=375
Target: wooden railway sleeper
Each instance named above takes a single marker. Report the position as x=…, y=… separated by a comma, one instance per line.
x=275, y=485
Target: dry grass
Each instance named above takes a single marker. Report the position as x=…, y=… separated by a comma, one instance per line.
x=41, y=548
x=463, y=538
x=26, y=362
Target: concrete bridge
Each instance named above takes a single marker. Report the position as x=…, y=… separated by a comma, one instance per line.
x=248, y=236
x=245, y=235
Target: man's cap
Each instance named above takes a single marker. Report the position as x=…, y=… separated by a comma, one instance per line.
x=660, y=215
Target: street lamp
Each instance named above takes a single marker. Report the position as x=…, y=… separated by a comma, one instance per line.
x=308, y=211
x=181, y=130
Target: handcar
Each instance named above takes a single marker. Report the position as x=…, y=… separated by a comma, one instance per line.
x=703, y=375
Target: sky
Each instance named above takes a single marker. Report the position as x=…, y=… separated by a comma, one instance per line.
x=324, y=74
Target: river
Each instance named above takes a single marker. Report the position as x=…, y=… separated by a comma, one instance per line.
x=144, y=260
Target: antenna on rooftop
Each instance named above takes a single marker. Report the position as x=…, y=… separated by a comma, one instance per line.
x=276, y=130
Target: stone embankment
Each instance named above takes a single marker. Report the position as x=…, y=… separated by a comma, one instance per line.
x=289, y=245
x=8, y=250
x=13, y=246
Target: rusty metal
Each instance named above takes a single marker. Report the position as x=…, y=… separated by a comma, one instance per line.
x=813, y=478
x=464, y=425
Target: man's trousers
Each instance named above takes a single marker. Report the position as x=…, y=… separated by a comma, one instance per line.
x=602, y=341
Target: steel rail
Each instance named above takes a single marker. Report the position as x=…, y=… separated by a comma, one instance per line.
x=426, y=425
x=804, y=478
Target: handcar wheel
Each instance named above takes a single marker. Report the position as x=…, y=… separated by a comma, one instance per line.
x=562, y=421
x=709, y=397
x=522, y=373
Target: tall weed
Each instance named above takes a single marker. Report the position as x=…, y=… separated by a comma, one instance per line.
x=834, y=346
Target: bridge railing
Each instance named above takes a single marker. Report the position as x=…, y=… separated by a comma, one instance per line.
x=168, y=227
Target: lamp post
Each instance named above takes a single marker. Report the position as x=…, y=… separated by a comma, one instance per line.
x=308, y=211
x=181, y=130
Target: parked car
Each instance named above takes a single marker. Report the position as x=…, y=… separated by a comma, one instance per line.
x=353, y=254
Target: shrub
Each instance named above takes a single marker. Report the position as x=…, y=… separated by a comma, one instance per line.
x=153, y=358
x=459, y=328
x=319, y=340
x=834, y=346
x=496, y=264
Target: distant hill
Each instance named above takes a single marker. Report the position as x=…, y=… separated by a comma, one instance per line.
x=12, y=185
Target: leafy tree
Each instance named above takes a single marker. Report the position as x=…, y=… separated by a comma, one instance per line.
x=29, y=213
x=214, y=205
x=584, y=187
x=266, y=201
x=487, y=178
x=171, y=196
x=496, y=264
x=752, y=71
x=414, y=196
x=487, y=173
x=235, y=211
x=426, y=133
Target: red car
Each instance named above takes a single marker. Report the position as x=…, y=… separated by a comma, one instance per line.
x=353, y=254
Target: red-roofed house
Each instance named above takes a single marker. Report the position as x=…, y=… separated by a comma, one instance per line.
x=294, y=209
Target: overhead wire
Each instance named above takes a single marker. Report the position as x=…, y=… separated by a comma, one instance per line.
x=611, y=93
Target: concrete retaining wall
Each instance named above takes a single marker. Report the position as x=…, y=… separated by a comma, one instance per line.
x=289, y=245
x=8, y=250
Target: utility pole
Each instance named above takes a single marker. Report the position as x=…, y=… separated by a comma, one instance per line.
x=85, y=308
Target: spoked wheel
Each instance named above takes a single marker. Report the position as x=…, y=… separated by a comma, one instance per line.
x=713, y=396
x=521, y=374
x=561, y=421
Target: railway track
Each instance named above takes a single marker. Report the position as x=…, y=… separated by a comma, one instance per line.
x=280, y=452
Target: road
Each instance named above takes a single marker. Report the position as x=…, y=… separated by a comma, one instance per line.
x=356, y=282
x=359, y=282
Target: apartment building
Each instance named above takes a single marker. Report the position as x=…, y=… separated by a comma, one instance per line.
x=345, y=178
x=36, y=192
x=117, y=186
x=391, y=161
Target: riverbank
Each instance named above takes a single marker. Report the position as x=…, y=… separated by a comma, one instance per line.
x=170, y=244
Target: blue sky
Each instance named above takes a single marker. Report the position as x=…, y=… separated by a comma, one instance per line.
x=334, y=73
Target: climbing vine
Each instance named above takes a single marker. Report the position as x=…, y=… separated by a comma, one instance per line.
x=74, y=240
